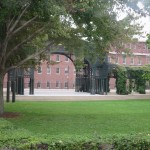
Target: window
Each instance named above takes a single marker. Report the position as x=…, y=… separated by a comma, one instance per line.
x=117, y=60
x=39, y=70
x=132, y=60
x=134, y=46
x=57, y=58
x=57, y=70
x=66, y=84
x=148, y=60
x=139, y=60
x=109, y=59
x=48, y=84
x=67, y=70
x=145, y=47
x=39, y=84
x=57, y=84
x=48, y=69
x=66, y=59
x=124, y=59
x=74, y=71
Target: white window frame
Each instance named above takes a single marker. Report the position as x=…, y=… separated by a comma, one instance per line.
x=66, y=84
x=57, y=58
x=48, y=84
x=66, y=70
x=57, y=84
x=66, y=59
x=38, y=84
x=117, y=60
x=132, y=60
x=40, y=70
x=74, y=71
x=139, y=60
x=48, y=69
x=148, y=59
x=124, y=59
x=58, y=69
x=109, y=59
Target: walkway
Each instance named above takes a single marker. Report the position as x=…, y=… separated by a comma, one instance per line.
x=71, y=95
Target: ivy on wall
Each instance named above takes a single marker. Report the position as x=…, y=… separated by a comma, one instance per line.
x=121, y=77
x=140, y=83
x=131, y=79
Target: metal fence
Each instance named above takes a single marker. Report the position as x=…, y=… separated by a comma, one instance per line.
x=57, y=85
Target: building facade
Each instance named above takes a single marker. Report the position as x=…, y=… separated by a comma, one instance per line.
x=62, y=74
x=139, y=55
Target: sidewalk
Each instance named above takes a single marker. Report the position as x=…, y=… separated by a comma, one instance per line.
x=71, y=95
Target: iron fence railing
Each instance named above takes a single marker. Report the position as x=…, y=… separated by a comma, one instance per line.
x=39, y=85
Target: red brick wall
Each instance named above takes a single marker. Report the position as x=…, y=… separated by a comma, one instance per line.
x=137, y=50
x=53, y=77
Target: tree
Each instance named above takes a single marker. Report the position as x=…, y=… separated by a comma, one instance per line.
x=30, y=27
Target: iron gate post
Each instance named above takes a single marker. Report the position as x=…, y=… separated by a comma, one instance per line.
x=93, y=81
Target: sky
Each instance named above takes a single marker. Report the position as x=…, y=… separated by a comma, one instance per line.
x=145, y=22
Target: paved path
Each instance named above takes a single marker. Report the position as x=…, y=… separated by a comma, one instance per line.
x=71, y=95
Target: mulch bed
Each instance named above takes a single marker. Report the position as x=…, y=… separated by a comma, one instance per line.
x=10, y=115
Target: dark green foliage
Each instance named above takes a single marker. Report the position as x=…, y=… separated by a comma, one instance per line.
x=28, y=28
x=137, y=79
x=131, y=143
x=106, y=86
x=130, y=86
x=77, y=125
x=121, y=77
x=140, y=82
x=105, y=143
x=140, y=85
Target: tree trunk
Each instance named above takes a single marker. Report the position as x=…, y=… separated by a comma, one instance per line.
x=1, y=93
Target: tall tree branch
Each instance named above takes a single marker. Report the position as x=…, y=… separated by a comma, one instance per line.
x=3, y=48
x=23, y=42
x=30, y=57
x=8, y=31
x=18, y=19
x=24, y=25
x=10, y=22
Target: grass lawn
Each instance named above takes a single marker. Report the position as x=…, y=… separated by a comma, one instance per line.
x=81, y=119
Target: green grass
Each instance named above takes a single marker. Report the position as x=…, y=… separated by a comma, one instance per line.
x=81, y=119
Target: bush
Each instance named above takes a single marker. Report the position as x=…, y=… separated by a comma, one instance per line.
x=131, y=144
x=109, y=144
x=12, y=138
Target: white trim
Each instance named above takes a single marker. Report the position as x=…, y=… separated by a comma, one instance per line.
x=58, y=58
x=131, y=58
x=137, y=54
x=139, y=61
x=38, y=70
x=48, y=82
x=117, y=60
x=57, y=84
x=58, y=69
x=49, y=70
x=67, y=59
x=124, y=59
x=39, y=84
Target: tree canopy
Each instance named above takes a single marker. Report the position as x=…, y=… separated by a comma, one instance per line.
x=85, y=27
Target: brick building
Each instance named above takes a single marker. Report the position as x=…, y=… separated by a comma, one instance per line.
x=62, y=74
x=138, y=55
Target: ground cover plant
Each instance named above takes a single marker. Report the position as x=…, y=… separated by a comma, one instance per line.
x=44, y=122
